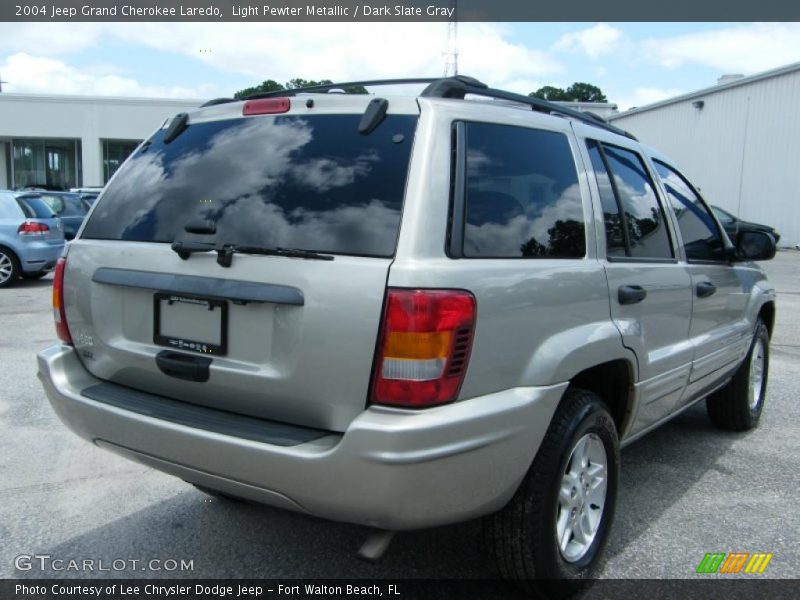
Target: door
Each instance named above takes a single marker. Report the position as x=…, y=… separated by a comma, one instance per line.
x=719, y=330
x=651, y=299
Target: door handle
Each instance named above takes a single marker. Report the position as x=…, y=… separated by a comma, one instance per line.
x=631, y=294
x=705, y=289
x=183, y=366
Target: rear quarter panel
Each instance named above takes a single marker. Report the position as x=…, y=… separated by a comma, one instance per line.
x=539, y=321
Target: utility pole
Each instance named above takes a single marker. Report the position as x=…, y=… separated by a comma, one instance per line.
x=1, y=84
x=451, y=51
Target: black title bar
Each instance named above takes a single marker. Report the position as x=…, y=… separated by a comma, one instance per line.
x=397, y=11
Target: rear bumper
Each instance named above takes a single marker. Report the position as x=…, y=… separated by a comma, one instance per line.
x=35, y=256
x=391, y=469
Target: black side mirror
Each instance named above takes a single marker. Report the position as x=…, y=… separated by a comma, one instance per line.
x=755, y=245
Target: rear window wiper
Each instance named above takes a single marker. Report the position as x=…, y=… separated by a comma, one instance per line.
x=225, y=252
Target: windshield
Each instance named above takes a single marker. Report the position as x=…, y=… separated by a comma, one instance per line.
x=312, y=182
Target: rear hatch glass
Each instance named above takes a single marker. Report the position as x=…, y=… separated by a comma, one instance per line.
x=304, y=182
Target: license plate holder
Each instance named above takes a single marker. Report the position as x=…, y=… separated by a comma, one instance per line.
x=190, y=323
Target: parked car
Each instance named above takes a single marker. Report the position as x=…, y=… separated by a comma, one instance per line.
x=733, y=225
x=31, y=237
x=69, y=207
x=88, y=195
x=278, y=300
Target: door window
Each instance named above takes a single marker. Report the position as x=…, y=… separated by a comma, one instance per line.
x=635, y=221
x=701, y=238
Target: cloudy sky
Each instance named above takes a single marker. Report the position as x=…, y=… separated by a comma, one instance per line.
x=634, y=63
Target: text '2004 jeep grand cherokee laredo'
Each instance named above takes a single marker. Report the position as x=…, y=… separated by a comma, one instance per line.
x=406, y=312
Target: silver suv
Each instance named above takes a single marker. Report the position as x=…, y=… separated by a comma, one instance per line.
x=404, y=312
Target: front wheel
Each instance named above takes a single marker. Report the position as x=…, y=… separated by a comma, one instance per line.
x=550, y=537
x=9, y=267
x=738, y=406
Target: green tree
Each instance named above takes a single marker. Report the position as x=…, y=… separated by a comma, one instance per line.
x=577, y=92
x=270, y=85
x=586, y=92
x=552, y=93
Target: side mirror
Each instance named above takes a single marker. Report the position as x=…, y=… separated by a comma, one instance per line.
x=755, y=245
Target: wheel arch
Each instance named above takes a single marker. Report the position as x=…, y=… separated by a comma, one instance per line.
x=613, y=381
x=767, y=314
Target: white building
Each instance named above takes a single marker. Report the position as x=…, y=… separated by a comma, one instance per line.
x=71, y=141
x=601, y=109
x=739, y=141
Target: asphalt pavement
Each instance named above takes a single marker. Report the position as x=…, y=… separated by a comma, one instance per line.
x=686, y=489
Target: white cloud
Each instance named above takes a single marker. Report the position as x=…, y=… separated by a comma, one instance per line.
x=594, y=42
x=49, y=39
x=280, y=51
x=36, y=74
x=642, y=96
x=742, y=49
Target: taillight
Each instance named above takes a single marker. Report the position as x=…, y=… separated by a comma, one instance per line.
x=266, y=106
x=59, y=314
x=32, y=228
x=424, y=348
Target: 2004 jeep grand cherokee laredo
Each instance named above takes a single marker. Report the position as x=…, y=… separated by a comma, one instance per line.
x=404, y=312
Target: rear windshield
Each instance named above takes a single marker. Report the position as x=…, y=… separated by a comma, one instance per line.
x=65, y=205
x=309, y=182
x=34, y=207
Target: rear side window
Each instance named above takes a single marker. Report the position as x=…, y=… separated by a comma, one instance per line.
x=701, y=239
x=522, y=194
x=637, y=223
x=35, y=208
x=310, y=182
x=9, y=208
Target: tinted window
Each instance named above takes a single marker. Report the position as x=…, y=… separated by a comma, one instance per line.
x=65, y=205
x=9, y=208
x=615, y=239
x=701, y=240
x=645, y=226
x=34, y=207
x=298, y=182
x=523, y=198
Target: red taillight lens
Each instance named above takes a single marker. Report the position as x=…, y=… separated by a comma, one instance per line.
x=266, y=106
x=32, y=228
x=60, y=316
x=424, y=348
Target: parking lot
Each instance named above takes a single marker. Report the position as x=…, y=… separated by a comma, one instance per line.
x=687, y=489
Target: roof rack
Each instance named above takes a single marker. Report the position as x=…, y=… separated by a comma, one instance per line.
x=335, y=86
x=458, y=87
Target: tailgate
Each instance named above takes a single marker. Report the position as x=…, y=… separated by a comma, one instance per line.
x=290, y=339
x=306, y=363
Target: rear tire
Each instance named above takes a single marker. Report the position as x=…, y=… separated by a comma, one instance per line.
x=550, y=537
x=738, y=406
x=9, y=267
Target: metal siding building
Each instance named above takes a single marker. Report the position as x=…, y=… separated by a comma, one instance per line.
x=71, y=141
x=738, y=141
